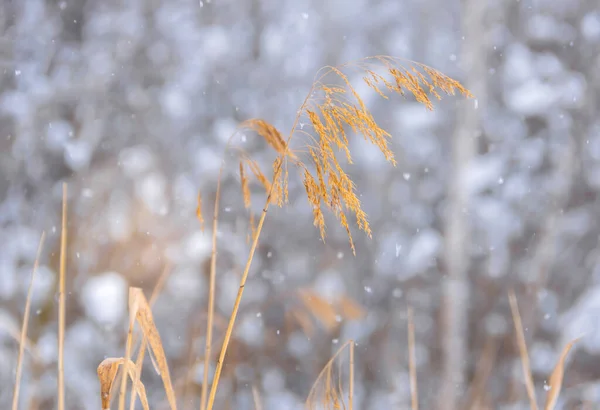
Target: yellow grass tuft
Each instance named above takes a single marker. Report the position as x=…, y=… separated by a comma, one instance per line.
x=337, y=108
x=332, y=109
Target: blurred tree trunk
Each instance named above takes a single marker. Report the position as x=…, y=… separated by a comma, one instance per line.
x=455, y=291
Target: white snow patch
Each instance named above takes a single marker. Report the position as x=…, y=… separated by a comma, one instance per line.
x=590, y=26
x=251, y=331
x=518, y=66
x=57, y=135
x=186, y=283
x=532, y=98
x=216, y=42
x=330, y=285
x=414, y=117
x=104, y=298
x=78, y=154
x=273, y=380
x=43, y=285
x=120, y=225
x=152, y=191
x=424, y=249
x=197, y=246
x=176, y=103
x=136, y=160
x=543, y=27
x=483, y=173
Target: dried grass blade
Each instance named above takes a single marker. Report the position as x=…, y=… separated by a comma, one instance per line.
x=414, y=393
x=23, y=338
x=107, y=373
x=523, y=350
x=211, y=292
x=62, y=303
x=236, y=304
x=351, y=376
x=143, y=315
x=133, y=308
x=139, y=387
x=15, y=333
x=556, y=378
x=139, y=362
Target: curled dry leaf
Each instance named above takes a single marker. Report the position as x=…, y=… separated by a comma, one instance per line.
x=107, y=373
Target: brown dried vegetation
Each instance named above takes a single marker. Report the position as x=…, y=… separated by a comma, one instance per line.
x=333, y=110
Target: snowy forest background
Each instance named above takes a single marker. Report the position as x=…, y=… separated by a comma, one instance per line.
x=131, y=103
